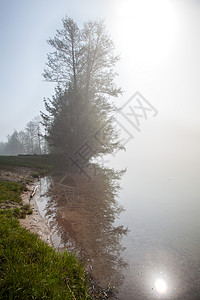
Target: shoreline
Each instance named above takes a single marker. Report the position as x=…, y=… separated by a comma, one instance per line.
x=35, y=223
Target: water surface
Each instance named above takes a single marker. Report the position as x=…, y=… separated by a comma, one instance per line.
x=158, y=257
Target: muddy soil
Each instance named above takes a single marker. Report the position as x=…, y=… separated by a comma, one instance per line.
x=34, y=222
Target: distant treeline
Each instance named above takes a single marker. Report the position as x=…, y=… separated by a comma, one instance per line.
x=28, y=141
x=79, y=121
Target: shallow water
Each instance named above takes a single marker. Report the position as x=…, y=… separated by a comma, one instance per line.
x=82, y=220
x=157, y=258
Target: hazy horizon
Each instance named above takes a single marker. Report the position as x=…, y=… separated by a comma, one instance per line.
x=158, y=44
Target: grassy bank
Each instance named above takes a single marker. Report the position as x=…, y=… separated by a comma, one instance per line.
x=45, y=163
x=10, y=197
x=29, y=268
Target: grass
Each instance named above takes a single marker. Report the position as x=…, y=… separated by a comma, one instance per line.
x=10, y=197
x=11, y=191
x=44, y=163
x=30, y=269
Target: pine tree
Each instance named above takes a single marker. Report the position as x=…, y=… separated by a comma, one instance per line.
x=81, y=111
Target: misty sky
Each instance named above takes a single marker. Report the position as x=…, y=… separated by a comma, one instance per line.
x=158, y=42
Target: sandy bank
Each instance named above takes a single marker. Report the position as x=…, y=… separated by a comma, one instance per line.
x=35, y=222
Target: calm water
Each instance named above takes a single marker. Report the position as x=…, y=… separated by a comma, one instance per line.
x=163, y=242
x=161, y=256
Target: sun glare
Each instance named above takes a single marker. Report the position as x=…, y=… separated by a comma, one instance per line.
x=145, y=29
x=161, y=286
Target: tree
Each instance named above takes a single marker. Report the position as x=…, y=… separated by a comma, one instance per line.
x=64, y=64
x=2, y=148
x=22, y=139
x=80, y=111
x=14, y=146
x=83, y=58
x=32, y=137
x=28, y=141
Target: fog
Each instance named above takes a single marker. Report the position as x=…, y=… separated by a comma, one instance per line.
x=159, y=45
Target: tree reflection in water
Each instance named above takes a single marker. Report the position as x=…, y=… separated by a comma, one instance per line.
x=83, y=213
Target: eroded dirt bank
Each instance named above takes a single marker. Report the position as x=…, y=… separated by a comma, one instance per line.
x=34, y=222
x=82, y=214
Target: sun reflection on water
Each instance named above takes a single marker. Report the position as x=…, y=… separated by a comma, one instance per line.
x=161, y=286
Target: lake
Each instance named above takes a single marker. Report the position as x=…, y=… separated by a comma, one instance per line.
x=150, y=249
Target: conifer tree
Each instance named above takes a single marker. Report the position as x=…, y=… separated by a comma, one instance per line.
x=82, y=65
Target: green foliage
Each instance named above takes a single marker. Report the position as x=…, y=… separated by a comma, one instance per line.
x=30, y=269
x=10, y=196
x=82, y=64
x=11, y=191
x=22, y=211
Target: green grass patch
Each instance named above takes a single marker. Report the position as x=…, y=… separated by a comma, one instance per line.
x=10, y=197
x=21, y=212
x=30, y=269
x=11, y=191
x=44, y=163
